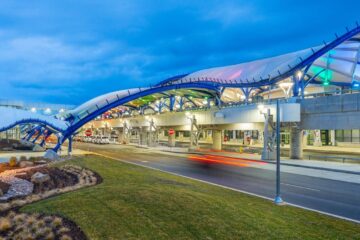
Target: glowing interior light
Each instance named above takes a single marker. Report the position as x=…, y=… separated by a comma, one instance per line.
x=33, y=109
x=299, y=74
x=261, y=107
x=187, y=114
x=61, y=110
x=47, y=111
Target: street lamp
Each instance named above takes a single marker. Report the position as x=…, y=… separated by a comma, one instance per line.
x=278, y=199
x=286, y=87
x=266, y=112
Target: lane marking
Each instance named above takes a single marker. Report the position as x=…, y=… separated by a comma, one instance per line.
x=291, y=185
x=230, y=188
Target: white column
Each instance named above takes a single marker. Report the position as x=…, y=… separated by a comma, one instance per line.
x=171, y=140
x=332, y=137
x=317, y=138
x=217, y=140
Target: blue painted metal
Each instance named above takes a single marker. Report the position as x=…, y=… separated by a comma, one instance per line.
x=34, y=131
x=171, y=103
x=40, y=132
x=34, y=121
x=121, y=101
x=247, y=92
x=46, y=136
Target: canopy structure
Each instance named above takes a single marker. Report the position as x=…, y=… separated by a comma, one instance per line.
x=11, y=117
x=333, y=64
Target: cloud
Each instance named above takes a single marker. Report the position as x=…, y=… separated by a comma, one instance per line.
x=68, y=52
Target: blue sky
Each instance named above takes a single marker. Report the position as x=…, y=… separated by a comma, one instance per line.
x=70, y=51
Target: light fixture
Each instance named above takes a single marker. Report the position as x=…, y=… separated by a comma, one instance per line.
x=61, y=110
x=299, y=74
x=47, y=111
x=33, y=110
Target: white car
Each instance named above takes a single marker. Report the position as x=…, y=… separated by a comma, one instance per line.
x=104, y=140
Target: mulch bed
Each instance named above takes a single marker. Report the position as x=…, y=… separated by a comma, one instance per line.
x=4, y=186
x=58, y=178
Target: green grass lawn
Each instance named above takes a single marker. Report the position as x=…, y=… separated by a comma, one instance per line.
x=138, y=203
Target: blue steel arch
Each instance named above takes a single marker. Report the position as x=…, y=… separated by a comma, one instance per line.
x=158, y=89
x=32, y=121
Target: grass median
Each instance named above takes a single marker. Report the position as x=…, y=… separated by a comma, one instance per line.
x=134, y=202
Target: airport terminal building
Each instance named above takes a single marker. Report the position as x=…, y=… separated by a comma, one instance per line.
x=230, y=106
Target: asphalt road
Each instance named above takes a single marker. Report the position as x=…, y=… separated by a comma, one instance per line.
x=330, y=196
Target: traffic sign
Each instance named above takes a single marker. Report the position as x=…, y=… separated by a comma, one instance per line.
x=88, y=132
x=171, y=131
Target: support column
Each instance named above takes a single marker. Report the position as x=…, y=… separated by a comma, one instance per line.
x=296, y=143
x=171, y=140
x=181, y=136
x=217, y=140
x=332, y=138
x=143, y=136
x=317, y=138
x=70, y=146
x=261, y=137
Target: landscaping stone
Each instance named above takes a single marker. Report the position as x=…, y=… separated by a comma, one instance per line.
x=39, y=162
x=39, y=177
x=23, y=164
x=51, y=155
x=18, y=187
x=38, y=148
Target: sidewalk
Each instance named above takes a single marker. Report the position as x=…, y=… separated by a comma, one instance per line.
x=4, y=157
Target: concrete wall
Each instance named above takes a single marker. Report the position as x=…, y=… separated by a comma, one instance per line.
x=331, y=112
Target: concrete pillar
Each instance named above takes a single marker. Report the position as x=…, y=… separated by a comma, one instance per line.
x=143, y=136
x=171, y=140
x=296, y=143
x=305, y=137
x=317, y=138
x=181, y=136
x=217, y=139
x=332, y=138
x=261, y=137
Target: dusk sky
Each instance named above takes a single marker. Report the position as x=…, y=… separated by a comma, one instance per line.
x=71, y=51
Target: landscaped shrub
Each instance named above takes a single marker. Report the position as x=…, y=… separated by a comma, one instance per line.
x=13, y=162
x=35, y=226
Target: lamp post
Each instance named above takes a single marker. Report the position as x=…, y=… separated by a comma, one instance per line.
x=266, y=154
x=278, y=199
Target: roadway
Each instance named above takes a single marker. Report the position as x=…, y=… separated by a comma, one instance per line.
x=330, y=196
